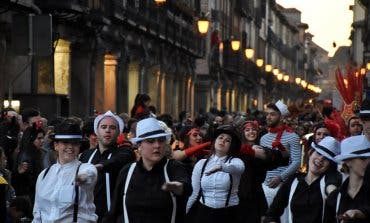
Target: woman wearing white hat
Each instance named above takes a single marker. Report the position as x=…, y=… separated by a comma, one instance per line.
x=351, y=203
x=308, y=191
x=153, y=189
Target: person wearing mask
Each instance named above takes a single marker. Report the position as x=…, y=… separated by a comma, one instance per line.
x=279, y=137
x=350, y=203
x=153, y=189
x=107, y=158
x=64, y=191
x=215, y=180
x=303, y=192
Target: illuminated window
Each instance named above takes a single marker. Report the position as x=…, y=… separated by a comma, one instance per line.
x=110, y=64
x=62, y=66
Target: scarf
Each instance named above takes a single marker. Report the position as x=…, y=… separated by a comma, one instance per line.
x=276, y=144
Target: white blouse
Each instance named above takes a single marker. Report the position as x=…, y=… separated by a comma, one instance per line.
x=215, y=187
x=55, y=194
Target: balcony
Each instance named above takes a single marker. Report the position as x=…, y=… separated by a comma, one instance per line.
x=70, y=6
x=117, y=10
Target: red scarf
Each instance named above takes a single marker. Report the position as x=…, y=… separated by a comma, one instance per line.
x=279, y=130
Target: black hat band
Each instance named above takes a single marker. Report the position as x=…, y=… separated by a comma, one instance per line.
x=361, y=151
x=68, y=137
x=151, y=133
x=325, y=150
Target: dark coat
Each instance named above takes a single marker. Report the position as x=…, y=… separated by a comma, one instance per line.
x=146, y=202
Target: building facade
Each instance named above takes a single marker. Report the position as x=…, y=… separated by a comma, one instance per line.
x=102, y=53
x=280, y=61
x=77, y=57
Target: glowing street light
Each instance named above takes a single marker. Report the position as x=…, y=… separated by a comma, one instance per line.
x=249, y=53
x=203, y=24
x=259, y=62
x=298, y=80
x=235, y=44
x=268, y=68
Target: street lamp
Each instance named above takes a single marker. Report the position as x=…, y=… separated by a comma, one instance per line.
x=304, y=83
x=268, y=68
x=275, y=71
x=203, y=24
x=235, y=44
x=368, y=66
x=249, y=53
x=362, y=71
x=280, y=76
x=298, y=80
x=286, y=78
x=159, y=2
x=259, y=62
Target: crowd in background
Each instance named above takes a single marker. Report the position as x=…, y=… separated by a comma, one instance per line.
x=296, y=163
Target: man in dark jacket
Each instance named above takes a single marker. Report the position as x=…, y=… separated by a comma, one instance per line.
x=107, y=158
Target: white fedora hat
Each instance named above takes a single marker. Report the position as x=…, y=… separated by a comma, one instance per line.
x=328, y=147
x=148, y=128
x=354, y=147
x=283, y=108
x=97, y=120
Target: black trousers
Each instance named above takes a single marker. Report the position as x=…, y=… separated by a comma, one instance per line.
x=216, y=215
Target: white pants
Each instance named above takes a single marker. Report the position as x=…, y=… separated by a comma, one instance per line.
x=270, y=194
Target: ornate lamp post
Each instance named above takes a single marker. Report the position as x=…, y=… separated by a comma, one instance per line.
x=249, y=53
x=235, y=44
x=159, y=2
x=259, y=62
x=203, y=24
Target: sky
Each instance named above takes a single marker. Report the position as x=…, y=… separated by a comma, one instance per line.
x=328, y=20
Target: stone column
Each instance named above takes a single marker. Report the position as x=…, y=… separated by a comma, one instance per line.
x=83, y=68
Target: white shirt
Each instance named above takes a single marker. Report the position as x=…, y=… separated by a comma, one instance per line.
x=215, y=187
x=55, y=194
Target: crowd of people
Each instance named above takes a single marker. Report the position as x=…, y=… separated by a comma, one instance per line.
x=284, y=164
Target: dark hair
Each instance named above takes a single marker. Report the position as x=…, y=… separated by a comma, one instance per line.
x=350, y=119
x=29, y=113
x=182, y=115
x=332, y=165
x=88, y=127
x=319, y=125
x=183, y=135
x=166, y=118
x=28, y=151
x=26, y=144
x=153, y=109
x=235, y=139
x=273, y=107
x=140, y=100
